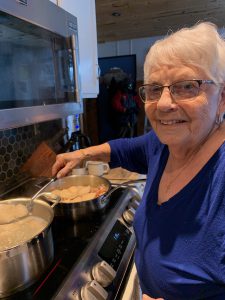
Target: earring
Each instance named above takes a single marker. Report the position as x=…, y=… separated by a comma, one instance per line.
x=219, y=119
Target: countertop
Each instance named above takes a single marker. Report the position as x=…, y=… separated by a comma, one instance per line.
x=120, y=175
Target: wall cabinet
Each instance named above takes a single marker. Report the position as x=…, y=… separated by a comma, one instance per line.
x=86, y=17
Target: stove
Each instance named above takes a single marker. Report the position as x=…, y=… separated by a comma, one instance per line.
x=91, y=256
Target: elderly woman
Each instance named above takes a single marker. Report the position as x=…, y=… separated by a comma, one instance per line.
x=180, y=224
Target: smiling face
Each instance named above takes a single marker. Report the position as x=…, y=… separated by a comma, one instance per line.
x=183, y=123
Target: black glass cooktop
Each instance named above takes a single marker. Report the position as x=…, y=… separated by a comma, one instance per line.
x=70, y=240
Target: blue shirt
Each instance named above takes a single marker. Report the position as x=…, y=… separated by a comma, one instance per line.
x=180, y=253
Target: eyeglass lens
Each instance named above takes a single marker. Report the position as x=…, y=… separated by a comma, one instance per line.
x=179, y=90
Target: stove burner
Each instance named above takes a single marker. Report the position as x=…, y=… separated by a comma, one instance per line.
x=46, y=278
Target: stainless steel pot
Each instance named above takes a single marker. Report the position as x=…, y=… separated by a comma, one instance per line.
x=22, y=265
x=84, y=209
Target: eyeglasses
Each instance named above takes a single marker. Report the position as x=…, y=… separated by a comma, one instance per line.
x=180, y=90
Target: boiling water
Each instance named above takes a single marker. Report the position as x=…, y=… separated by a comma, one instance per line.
x=10, y=212
x=17, y=233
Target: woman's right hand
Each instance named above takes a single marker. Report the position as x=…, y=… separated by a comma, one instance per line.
x=146, y=297
x=65, y=162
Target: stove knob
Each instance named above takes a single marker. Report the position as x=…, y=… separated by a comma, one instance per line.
x=74, y=295
x=93, y=291
x=103, y=273
x=137, y=197
x=128, y=215
x=134, y=203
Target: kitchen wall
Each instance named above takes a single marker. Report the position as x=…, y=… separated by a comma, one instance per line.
x=139, y=47
x=17, y=145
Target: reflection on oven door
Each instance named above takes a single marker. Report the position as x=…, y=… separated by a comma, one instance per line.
x=132, y=290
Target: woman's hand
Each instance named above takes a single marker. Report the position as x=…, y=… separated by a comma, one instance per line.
x=66, y=162
x=145, y=297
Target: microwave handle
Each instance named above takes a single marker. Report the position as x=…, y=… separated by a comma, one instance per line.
x=76, y=74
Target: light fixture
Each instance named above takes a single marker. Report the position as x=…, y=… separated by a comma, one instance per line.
x=116, y=14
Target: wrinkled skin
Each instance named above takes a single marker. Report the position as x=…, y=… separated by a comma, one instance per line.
x=185, y=124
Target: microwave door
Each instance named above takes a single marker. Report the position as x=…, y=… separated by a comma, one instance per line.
x=64, y=86
x=67, y=80
x=64, y=64
x=38, y=67
x=39, y=73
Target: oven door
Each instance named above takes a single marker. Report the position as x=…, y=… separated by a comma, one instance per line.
x=39, y=63
x=131, y=288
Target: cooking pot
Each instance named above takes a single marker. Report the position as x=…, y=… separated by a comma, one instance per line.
x=22, y=265
x=79, y=210
x=83, y=209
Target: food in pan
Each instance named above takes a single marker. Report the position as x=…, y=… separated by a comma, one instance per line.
x=80, y=193
x=10, y=212
x=17, y=233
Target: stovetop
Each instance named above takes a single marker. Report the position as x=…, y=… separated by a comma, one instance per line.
x=70, y=240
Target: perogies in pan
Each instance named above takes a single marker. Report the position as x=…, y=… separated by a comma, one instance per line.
x=80, y=193
x=86, y=207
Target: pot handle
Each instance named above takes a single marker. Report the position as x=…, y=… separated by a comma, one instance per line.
x=124, y=184
x=49, y=197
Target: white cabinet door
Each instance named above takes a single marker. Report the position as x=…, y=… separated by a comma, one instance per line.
x=54, y=1
x=84, y=10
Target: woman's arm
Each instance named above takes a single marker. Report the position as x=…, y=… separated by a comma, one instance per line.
x=65, y=162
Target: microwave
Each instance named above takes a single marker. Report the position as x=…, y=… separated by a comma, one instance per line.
x=39, y=63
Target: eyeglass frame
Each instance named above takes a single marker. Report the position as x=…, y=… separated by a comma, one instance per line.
x=199, y=81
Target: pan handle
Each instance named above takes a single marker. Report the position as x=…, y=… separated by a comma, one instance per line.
x=49, y=197
x=120, y=185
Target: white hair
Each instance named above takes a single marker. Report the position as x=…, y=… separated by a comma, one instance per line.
x=199, y=46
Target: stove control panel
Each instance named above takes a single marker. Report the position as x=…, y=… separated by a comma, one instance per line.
x=115, y=245
x=103, y=273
